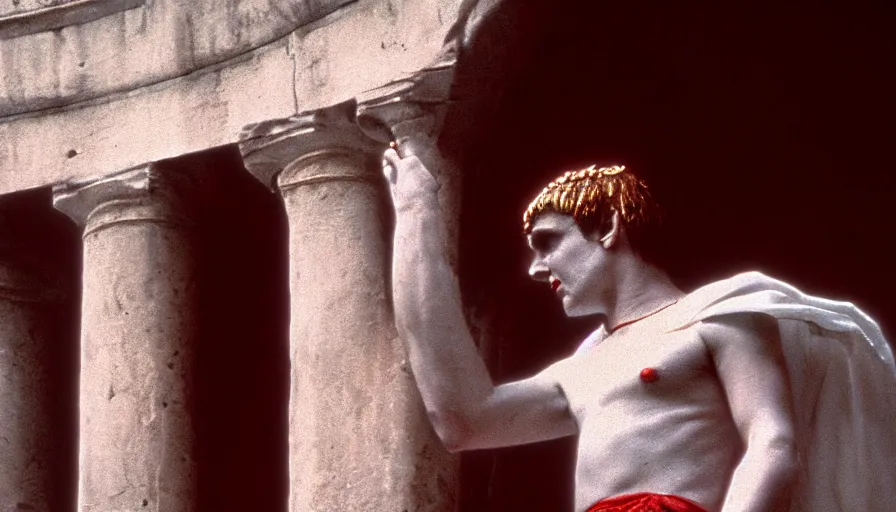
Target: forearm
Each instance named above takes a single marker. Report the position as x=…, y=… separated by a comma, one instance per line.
x=452, y=378
x=763, y=478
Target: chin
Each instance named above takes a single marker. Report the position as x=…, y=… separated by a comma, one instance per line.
x=574, y=310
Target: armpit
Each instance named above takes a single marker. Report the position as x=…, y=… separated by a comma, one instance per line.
x=560, y=376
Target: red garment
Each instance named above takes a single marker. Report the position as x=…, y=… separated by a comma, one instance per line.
x=646, y=502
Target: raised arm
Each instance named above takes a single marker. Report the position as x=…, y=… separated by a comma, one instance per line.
x=465, y=408
x=747, y=355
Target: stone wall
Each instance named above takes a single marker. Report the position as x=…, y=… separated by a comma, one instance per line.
x=169, y=78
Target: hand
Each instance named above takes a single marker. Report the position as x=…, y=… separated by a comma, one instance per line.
x=410, y=182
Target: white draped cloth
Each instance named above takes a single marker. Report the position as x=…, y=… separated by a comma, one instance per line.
x=843, y=382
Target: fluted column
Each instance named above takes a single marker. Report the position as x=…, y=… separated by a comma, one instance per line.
x=30, y=451
x=358, y=435
x=138, y=328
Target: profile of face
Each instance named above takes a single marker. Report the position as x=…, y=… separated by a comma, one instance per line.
x=577, y=266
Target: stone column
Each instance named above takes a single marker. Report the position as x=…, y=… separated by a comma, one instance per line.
x=138, y=328
x=29, y=447
x=358, y=435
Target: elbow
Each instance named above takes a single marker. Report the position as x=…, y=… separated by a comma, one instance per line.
x=779, y=450
x=412, y=325
x=452, y=429
x=784, y=446
x=789, y=462
x=782, y=464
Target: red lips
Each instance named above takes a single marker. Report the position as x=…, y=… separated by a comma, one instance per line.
x=555, y=284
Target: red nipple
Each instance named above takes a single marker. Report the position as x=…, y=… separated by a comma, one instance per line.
x=649, y=375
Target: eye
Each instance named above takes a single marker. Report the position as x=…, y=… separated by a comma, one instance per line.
x=544, y=241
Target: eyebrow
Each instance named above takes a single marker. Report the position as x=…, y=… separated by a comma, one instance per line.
x=550, y=230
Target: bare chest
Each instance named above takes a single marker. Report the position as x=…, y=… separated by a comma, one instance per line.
x=640, y=369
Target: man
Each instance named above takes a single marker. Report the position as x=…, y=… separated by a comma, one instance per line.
x=701, y=402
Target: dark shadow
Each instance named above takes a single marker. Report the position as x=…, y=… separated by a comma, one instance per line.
x=65, y=243
x=242, y=379
x=764, y=135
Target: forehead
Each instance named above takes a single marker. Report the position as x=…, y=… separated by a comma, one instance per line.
x=551, y=222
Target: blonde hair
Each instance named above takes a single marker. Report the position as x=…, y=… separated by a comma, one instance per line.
x=591, y=196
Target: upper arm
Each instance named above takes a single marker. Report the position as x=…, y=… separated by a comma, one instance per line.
x=746, y=351
x=520, y=412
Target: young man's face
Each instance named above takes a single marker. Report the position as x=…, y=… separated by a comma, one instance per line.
x=573, y=264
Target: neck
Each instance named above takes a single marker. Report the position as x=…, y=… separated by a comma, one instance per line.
x=640, y=290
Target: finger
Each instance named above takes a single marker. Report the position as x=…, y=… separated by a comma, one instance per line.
x=390, y=171
x=394, y=145
x=392, y=157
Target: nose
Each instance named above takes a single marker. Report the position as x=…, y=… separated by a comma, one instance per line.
x=539, y=271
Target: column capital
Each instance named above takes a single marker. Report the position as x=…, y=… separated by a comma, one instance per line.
x=274, y=151
x=411, y=110
x=152, y=192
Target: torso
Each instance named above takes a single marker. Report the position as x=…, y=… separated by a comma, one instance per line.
x=673, y=435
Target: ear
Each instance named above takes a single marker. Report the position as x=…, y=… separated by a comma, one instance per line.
x=612, y=236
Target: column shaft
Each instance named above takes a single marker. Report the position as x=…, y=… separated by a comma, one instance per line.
x=359, y=439
x=138, y=330
x=359, y=436
x=25, y=428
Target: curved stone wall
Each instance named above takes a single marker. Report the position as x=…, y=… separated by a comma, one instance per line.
x=79, y=56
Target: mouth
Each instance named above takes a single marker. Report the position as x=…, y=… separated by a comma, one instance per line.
x=555, y=284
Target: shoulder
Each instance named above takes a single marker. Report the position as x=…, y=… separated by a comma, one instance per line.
x=560, y=370
x=743, y=328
